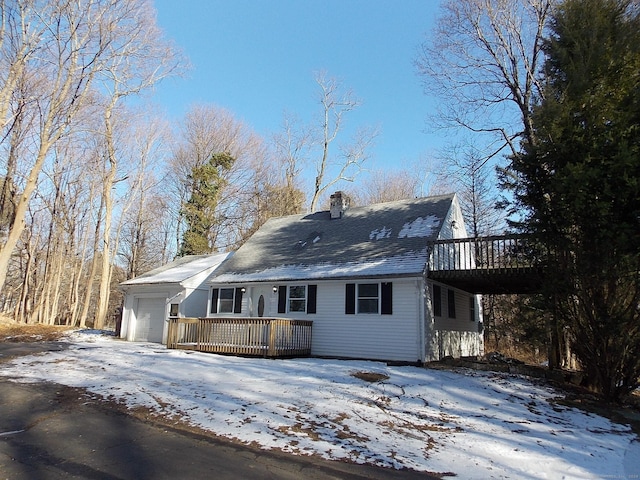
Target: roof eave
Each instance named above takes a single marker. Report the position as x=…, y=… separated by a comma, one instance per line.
x=248, y=280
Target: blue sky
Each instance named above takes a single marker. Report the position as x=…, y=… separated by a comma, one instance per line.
x=257, y=58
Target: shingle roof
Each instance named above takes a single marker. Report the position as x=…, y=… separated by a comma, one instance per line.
x=376, y=240
x=179, y=270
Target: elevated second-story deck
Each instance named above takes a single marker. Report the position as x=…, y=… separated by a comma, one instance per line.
x=496, y=264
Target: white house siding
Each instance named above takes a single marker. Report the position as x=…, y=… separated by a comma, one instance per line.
x=195, y=303
x=393, y=337
x=182, y=284
x=370, y=336
x=453, y=225
x=402, y=336
x=192, y=303
x=459, y=336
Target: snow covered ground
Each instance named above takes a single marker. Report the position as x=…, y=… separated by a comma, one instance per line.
x=471, y=424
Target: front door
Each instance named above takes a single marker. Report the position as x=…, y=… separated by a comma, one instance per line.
x=260, y=301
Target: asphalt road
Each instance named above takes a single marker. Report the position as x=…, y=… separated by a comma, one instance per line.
x=49, y=431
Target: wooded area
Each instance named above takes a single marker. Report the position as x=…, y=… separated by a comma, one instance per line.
x=552, y=88
x=96, y=186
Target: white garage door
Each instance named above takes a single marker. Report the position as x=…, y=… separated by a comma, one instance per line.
x=150, y=319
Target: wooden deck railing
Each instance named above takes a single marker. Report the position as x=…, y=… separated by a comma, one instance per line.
x=497, y=264
x=482, y=253
x=265, y=337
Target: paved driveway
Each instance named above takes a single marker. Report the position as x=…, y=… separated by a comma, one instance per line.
x=50, y=431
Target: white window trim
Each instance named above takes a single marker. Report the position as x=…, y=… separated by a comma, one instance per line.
x=379, y=298
x=305, y=298
x=210, y=302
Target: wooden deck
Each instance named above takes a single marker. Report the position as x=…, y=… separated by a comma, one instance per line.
x=263, y=337
x=496, y=264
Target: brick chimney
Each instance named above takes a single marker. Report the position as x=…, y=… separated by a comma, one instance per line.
x=339, y=203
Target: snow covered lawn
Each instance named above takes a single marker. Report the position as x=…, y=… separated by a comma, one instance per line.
x=471, y=424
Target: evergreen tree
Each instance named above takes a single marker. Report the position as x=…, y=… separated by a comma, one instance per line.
x=580, y=185
x=200, y=211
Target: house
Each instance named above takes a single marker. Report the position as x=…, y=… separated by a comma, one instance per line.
x=175, y=289
x=360, y=274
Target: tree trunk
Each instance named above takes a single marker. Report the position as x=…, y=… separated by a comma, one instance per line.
x=74, y=302
x=109, y=180
x=94, y=266
x=105, y=275
x=56, y=280
x=21, y=311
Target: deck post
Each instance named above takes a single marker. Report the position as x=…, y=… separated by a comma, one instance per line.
x=272, y=338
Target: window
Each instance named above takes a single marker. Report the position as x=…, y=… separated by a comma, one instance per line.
x=369, y=298
x=173, y=310
x=451, y=303
x=226, y=300
x=437, y=301
x=297, y=298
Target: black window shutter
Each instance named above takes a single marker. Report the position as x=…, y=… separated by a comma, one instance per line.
x=350, y=304
x=437, y=301
x=311, y=298
x=472, y=308
x=387, y=298
x=237, y=302
x=282, y=299
x=451, y=303
x=214, y=300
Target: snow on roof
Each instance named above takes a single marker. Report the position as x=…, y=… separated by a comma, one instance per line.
x=382, y=239
x=420, y=227
x=179, y=270
x=405, y=264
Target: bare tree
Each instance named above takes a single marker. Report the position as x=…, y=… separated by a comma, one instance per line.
x=483, y=60
x=95, y=248
x=143, y=242
x=127, y=150
x=144, y=226
x=80, y=223
x=149, y=58
x=43, y=266
x=293, y=146
x=61, y=72
x=465, y=169
x=208, y=130
x=21, y=33
x=58, y=49
x=348, y=162
x=387, y=186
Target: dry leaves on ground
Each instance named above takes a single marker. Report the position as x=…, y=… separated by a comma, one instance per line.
x=17, y=332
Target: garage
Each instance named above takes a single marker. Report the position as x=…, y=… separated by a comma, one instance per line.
x=150, y=316
x=179, y=286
